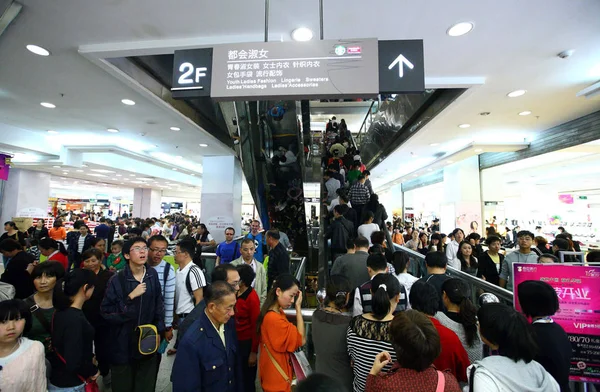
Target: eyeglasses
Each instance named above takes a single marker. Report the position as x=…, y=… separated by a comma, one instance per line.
x=139, y=249
x=158, y=250
x=235, y=284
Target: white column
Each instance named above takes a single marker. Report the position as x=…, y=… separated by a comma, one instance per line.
x=25, y=195
x=146, y=203
x=221, y=204
x=462, y=196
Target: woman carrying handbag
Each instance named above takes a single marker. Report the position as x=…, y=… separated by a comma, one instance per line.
x=279, y=338
x=73, y=368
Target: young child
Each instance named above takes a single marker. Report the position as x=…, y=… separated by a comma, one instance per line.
x=116, y=261
x=22, y=360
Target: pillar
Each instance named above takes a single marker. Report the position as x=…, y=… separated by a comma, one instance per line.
x=462, y=197
x=25, y=195
x=221, y=200
x=146, y=203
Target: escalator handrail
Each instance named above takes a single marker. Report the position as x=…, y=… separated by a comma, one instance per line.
x=363, y=123
x=488, y=287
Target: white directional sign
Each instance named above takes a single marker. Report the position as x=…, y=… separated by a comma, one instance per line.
x=401, y=61
x=407, y=57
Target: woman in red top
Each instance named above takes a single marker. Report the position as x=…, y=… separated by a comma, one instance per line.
x=417, y=344
x=54, y=251
x=278, y=337
x=247, y=310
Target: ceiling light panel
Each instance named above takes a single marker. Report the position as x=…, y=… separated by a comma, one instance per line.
x=460, y=29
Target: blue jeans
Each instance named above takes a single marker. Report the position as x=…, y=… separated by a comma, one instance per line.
x=79, y=388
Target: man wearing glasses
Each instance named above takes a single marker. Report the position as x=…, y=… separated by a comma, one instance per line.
x=157, y=249
x=228, y=250
x=132, y=299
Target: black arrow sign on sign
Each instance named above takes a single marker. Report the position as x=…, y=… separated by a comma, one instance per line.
x=401, y=67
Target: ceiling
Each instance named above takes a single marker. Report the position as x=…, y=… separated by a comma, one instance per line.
x=508, y=49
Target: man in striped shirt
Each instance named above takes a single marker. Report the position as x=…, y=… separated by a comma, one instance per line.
x=157, y=248
x=359, y=195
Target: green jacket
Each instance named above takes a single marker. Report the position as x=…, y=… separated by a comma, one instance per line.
x=117, y=262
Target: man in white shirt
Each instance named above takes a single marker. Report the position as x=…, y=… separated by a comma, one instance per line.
x=260, y=281
x=190, y=279
x=332, y=185
x=368, y=227
x=452, y=248
x=167, y=230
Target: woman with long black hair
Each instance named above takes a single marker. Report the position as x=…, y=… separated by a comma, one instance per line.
x=507, y=331
x=468, y=262
x=329, y=332
x=369, y=334
x=461, y=316
x=279, y=338
x=72, y=334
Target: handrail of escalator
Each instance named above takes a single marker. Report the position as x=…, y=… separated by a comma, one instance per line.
x=364, y=121
x=487, y=287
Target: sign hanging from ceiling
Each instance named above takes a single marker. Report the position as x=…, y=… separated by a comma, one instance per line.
x=401, y=66
x=300, y=70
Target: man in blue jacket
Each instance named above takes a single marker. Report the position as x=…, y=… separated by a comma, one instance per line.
x=133, y=297
x=206, y=359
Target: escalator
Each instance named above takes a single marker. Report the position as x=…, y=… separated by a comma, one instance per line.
x=271, y=153
x=395, y=118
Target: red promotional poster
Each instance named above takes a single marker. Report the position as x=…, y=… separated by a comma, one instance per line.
x=4, y=166
x=578, y=290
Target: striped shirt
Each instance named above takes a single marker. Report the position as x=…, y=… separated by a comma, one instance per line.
x=359, y=194
x=366, y=339
x=168, y=290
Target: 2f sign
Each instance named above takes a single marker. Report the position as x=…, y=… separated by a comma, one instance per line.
x=187, y=70
x=192, y=73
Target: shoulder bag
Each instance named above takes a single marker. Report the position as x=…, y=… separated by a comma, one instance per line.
x=145, y=336
x=90, y=386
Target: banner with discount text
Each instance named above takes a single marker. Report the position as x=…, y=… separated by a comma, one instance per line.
x=578, y=290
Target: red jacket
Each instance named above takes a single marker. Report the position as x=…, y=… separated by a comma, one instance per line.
x=59, y=257
x=453, y=356
x=247, y=310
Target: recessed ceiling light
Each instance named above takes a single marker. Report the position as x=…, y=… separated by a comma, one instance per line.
x=302, y=34
x=176, y=129
x=128, y=102
x=175, y=168
x=434, y=144
x=178, y=157
x=414, y=175
x=464, y=126
x=516, y=93
x=122, y=183
x=79, y=171
x=119, y=175
x=459, y=29
x=132, y=175
x=429, y=169
x=48, y=105
x=38, y=50
x=203, y=145
x=84, y=165
x=525, y=113
x=192, y=174
x=51, y=132
x=112, y=130
x=56, y=167
x=449, y=161
x=478, y=150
